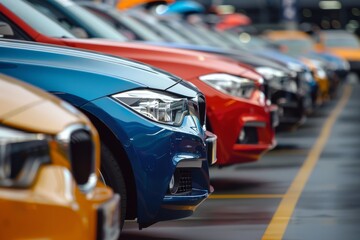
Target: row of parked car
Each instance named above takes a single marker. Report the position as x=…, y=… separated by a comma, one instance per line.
x=132, y=139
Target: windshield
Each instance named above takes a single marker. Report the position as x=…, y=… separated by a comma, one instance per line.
x=296, y=47
x=36, y=19
x=163, y=31
x=66, y=11
x=137, y=27
x=252, y=41
x=180, y=27
x=212, y=37
x=342, y=41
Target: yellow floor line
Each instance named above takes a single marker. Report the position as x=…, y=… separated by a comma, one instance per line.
x=244, y=196
x=282, y=216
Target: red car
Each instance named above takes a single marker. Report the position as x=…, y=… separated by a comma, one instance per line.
x=237, y=110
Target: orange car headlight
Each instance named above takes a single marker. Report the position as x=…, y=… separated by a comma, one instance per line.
x=21, y=155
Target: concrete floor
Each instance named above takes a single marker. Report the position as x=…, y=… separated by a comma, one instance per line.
x=247, y=196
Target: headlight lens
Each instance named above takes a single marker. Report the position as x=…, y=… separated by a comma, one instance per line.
x=156, y=106
x=296, y=67
x=346, y=65
x=278, y=79
x=21, y=155
x=229, y=84
x=270, y=73
x=320, y=72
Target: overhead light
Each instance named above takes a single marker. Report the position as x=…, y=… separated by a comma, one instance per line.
x=330, y=5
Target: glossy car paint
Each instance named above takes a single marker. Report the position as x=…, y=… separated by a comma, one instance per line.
x=243, y=56
x=87, y=80
x=304, y=55
x=350, y=53
x=53, y=206
x=190, y=66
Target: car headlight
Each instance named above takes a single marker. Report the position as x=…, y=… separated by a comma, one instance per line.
x=278, y=79
x=21, y=155
x=346, y=65
x=270, y=73
x=157, y=106
x=229, y=84
x=296, y=67
x=320, y=72
x=287, y=84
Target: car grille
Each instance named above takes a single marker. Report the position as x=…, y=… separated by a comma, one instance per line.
x=185, y=181
x=81, y=155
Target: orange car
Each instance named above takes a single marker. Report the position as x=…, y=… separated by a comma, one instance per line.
x=124, y=4
x=343, y=44
x=49, y=154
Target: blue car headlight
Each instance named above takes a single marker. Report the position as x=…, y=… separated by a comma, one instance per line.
x=157, y=106
x=230, y=84
x=21, y=155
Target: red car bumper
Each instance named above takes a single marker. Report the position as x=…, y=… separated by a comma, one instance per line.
x=245, y=128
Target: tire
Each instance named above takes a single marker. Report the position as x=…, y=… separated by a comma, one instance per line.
x=112, y=176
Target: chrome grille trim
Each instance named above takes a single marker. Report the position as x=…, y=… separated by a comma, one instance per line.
x=202, y=109
x=65, y=140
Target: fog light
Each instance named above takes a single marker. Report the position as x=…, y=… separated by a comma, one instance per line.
x=242, y=136
x=249, y=135
x=174, y=184
x=181, y=182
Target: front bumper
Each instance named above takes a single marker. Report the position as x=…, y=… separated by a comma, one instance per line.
x=354, y=66
x=244, y=128
x=155, y=152
x=54, y=208
x=292, y=107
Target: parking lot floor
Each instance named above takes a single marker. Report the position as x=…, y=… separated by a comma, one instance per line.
x=308, y=187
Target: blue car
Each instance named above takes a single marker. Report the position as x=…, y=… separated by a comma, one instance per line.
x=155, y=150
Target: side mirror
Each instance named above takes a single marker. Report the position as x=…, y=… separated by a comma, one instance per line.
x=79, y=32
x=5, y=30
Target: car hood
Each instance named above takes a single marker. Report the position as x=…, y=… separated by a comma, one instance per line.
x=291, y=62
x=25, y=107
x=183, y=63
x=242, y=56
x=350, y=54
x=82, y=75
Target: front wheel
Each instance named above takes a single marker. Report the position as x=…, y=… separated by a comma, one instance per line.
x=112, y=176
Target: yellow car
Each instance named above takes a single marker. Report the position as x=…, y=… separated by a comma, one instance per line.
x=342, y=44
x=49, y=156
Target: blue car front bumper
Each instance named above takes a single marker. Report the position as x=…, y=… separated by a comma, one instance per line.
x=157, y=153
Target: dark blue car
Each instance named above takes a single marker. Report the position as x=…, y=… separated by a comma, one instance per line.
x=154, y=148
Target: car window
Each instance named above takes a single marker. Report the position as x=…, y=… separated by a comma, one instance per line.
x=342, y=41
x=36, y=19
x=138, y=28
x=71, y=15
x=296, y=46
x=164, y=31
x=181, y=29
x=18, y=33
